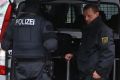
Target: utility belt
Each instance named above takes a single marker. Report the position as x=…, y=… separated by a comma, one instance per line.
x=47, y=68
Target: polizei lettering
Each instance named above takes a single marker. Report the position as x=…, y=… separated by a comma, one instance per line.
x=25, y=21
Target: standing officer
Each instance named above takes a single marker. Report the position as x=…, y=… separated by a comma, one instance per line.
x=31, y=40
x=96, y=52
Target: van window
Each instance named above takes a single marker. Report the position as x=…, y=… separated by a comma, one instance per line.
x=109, y=9
x=70, y=15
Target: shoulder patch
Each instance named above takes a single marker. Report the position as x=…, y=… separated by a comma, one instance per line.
x=104, y=40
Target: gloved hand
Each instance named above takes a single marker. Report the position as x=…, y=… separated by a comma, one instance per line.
x=68, y=56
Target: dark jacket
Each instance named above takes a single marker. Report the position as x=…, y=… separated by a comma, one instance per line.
x=30, y=36
x=97, y=49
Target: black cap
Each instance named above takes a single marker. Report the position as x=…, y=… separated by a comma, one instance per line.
x=32, y=6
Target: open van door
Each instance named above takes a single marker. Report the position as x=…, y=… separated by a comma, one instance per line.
x=5, y=15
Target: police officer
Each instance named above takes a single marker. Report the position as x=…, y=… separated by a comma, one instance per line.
x=96, y=52
x=31, y=38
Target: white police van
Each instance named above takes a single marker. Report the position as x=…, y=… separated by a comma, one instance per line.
x=67, y=20
x=5, y=12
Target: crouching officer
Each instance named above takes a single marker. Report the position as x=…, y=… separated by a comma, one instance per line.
x=31, y=38
x=96, y=52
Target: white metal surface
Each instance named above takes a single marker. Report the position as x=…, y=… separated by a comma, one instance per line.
x=2, y=57
x=68, y=70
x=2, y=63
x=3, y=8
x=75, y=33
x=2, y=77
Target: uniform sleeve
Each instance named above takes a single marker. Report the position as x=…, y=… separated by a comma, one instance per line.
x=106, y=51
x=6, y=43
x=50, y=38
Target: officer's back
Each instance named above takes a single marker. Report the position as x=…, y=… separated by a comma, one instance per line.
x=31, y=38
x=29, y=32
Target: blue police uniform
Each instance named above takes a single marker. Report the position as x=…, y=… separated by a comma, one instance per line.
x=31, y=39
x=96, y=51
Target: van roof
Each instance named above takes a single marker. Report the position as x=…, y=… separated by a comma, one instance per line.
x=112, y=1
x=68, y=1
